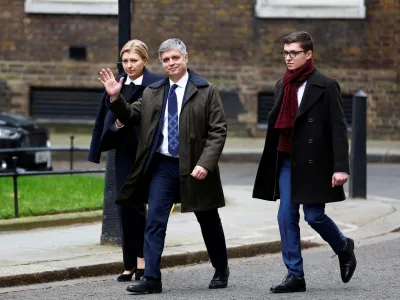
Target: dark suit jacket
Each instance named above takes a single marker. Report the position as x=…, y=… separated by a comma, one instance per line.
x=320, y=145
x=125, y=140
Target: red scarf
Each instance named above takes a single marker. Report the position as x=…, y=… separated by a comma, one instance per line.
x=287, y=115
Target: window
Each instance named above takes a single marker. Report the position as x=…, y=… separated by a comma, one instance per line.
x=88, y=7
x=265, y=104
x=311, y=9
x=77, y=52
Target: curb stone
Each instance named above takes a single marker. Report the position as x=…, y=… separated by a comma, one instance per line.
x=28, y=223
x=167, y=261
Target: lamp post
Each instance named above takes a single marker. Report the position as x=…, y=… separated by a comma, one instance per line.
x=110, y=233
x=124, y=26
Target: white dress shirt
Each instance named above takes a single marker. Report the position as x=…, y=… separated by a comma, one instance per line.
x=180, y=91
x=137, y=81
x=300, y=92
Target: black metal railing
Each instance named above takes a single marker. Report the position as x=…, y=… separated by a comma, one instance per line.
x=15, y=174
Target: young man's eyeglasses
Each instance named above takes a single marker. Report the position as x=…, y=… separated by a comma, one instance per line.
x=292, y=54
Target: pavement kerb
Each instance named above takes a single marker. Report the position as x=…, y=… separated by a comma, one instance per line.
x=167, y=261
x=387, y=200
x=27, y=223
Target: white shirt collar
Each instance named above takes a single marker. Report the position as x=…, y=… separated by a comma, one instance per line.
x=182, y=82
x=137, y=81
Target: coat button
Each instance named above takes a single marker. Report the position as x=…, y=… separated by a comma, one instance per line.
x=310, y=120
x=310, y=161
x=310, y=141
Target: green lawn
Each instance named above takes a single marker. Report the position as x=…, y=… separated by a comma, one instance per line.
x=42, y=195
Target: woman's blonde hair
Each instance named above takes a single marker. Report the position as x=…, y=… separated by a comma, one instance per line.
x=137, y=47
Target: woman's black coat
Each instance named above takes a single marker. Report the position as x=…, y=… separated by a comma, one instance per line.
x=125, y=140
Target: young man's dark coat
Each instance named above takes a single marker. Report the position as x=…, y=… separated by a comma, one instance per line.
x=320, y=145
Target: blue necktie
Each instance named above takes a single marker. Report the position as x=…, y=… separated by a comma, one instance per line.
x=173, y=122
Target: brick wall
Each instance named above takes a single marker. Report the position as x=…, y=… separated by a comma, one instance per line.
x=5, y=97
x=226, y=44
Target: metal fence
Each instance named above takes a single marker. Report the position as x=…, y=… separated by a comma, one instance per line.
x=15, y=173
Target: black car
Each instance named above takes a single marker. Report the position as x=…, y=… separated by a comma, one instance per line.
x=16, y=131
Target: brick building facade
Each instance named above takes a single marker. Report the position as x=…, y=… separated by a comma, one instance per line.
x=227, y=42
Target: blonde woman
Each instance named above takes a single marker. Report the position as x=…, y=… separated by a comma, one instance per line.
x=109, y=133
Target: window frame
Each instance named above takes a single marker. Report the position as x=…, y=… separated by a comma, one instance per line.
x=306, y=9
x=84, y=7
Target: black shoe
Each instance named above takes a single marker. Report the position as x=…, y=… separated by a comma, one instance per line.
x=220, y=279
x=125, y=277
x=291, y=284
x=146, y=286
x=128, y=277
x=347, y=261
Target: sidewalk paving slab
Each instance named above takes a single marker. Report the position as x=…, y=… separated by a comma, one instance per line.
x=250, y=225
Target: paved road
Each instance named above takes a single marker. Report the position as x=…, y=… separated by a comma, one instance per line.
x=376, y=278
x=382, y=179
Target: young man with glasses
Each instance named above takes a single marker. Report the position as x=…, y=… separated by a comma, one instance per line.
x=305, y=159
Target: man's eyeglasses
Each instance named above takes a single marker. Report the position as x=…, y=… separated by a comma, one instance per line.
x=292, y=54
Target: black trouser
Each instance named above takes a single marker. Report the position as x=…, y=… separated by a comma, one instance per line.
x=133, y=222
x=132, y=215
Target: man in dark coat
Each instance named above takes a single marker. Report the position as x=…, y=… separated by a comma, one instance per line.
x=182, y=135
x=305, y=159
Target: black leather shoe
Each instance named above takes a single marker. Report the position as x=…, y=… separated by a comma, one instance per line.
x=146, y=286
x=220, y=279
x=347, y=261
x=128, y=277
x=291, y=284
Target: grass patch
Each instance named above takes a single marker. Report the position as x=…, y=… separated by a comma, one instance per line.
x=43, y=195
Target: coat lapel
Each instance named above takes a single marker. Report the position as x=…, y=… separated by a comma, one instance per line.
x=191, y=90
x=195, y=82
x=158, y=99
x=315, y=87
